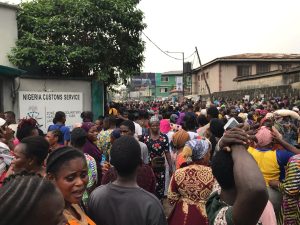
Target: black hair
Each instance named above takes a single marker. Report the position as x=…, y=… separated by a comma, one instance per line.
x=87, y=116
x=61, y=156
x=36, y=147
x=11, y=113
x=57, y=133
x=129, y=124
x=222, y=169
x=25, y=128
x=112, y=120
x=213, y=112
x=21, y=197
x=217, y=127
x=189, y=122
x=78, y=137
x=202, y=120
x=125, y=155
x=59, y=116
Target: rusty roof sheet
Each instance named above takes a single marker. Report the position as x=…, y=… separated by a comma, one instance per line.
x=263, y=56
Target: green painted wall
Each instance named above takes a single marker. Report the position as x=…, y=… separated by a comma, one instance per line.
x=170, y=84
x=97, y=98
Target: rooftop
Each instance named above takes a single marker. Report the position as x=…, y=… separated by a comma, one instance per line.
x=258, y=57
x=7, y=5
x=177, y=72
x=263, y=56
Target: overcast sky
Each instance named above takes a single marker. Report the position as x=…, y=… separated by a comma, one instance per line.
x=218, y=28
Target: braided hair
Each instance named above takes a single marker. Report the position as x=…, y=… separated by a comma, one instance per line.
x=61, y=156
x=21, y=197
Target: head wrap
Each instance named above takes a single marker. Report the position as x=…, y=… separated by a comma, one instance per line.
x=196, y=149
x=180, y=138
x=165, y=126
x=154, y=119
x=116, y=133
x=87, y=126
x=180, y=119
x=264, y=137
x=173, y=118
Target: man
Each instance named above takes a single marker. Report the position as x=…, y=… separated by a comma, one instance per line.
x=127, y=127
x=123, y=201
x=243, y=195
x=10, y=118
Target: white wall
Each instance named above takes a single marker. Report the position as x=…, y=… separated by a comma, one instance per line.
x=27, y=84
x=8, y=32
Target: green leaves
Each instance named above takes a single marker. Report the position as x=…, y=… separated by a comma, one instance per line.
x=80, y=38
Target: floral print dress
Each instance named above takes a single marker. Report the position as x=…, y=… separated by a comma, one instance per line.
x=158, y=148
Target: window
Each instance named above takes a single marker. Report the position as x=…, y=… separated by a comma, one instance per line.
x=262, y=68
x=163, y=90
x=243, y=70
x=198, y=77
x=164, y=79
x=285, y=66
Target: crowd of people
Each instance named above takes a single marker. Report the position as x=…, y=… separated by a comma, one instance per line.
x=217, y=163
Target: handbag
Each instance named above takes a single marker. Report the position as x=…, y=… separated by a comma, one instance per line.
x=158, y=164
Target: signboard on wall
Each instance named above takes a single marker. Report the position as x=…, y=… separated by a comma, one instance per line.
x=179, y=83
x=43, y=105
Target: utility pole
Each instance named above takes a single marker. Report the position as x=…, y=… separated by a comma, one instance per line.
x=202, y=74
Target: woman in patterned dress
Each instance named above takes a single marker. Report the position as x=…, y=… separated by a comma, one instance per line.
x=191, y=186
x=290, y=208
x=158, y=146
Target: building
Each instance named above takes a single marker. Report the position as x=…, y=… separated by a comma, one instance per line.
x=246, y=71
x=37, y=95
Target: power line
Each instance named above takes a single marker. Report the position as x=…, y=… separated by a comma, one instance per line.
x=164, y=52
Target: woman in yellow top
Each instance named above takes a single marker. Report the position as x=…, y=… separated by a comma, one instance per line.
x=67, y=168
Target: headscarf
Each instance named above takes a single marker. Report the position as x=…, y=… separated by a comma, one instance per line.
x=180, y=138
x=154, y=119
x=196, y=149
x=165, y=126
x=264, y=136
x=87, y=126
x=180, y=119
x=173, y=118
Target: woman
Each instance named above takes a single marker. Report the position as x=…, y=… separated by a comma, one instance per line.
x=67, y=168
x=28, y=199
x=179, y=140
x=78, y=140
x=59, y=123
x=158, y=148
x=290, y=207
x=30, y=155
x=191, y=186
x=27, y=128
x=91, y=148
x=54, y=137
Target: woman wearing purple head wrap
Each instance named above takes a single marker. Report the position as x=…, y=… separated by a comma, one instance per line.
x=90, y=148
x=191, y=186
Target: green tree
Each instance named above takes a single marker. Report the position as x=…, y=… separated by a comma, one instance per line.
x=80, y=38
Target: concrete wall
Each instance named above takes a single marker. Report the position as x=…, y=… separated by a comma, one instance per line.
x=8, y=32
x=26, y=84
x=221, y=75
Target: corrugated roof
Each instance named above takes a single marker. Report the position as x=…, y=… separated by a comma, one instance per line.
x=263, y=56
x=173, y=72
x=252, y=57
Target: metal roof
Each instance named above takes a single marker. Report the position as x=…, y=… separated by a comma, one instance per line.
x=9, y=71
x=177, y=72
x=255, y=57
